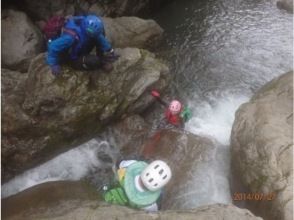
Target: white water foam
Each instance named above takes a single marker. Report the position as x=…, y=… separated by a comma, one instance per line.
x=215, y=120
x=71, y=165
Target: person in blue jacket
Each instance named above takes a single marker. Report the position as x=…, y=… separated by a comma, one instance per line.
x=79, y=36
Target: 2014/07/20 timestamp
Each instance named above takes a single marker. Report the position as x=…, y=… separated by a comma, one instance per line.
x=253, y=196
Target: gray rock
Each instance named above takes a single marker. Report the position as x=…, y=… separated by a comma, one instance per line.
x=66, y=200
x=132, y=32
x=57, y=112
x=21, y=40
x=92, y=210
x=97, y=9
x=262, y=146
x=131, y=131
x=12, y=88
x=286, y=5
x=44, y=9
x=132, y=7
x=190, y=158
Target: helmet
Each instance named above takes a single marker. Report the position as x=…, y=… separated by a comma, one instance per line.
x=156, y=175
x=175, y=107
x=93, y=25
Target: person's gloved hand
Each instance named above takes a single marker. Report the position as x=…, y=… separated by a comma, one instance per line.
x=55, y=70
x=110, y=56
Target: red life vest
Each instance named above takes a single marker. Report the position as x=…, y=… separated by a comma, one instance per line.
x=173, y=119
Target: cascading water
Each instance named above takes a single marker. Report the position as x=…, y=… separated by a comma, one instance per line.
x=78, y=163
x=220, y=52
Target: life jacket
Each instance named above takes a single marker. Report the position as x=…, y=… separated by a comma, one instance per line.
x=173, y=119
x=118, y=195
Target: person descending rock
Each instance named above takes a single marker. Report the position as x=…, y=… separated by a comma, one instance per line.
x=175, y=113
x=79, y=35
x=139, y=185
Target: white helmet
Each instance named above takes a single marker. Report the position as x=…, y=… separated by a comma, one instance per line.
x=156, y=175
x=175, y=107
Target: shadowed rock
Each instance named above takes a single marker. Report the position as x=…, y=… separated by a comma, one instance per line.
x=21, y=40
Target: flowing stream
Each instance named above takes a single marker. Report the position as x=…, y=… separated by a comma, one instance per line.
x=219, y=52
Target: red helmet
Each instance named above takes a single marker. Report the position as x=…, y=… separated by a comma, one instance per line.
x=175, y=107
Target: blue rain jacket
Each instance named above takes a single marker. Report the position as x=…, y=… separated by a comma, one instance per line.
x=67, y=43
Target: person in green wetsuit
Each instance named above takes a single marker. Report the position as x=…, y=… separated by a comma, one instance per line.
x=139, y=184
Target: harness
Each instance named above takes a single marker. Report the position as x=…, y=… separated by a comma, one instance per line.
x=70, y=32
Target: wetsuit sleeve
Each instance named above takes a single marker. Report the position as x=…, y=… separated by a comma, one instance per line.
x=57, y=46
x=103, y=43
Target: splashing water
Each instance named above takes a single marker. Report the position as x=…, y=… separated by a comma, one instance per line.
x=74, y=164
x=215, y=121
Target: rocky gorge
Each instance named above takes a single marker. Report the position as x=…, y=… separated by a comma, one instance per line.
x=34, y=107
x=44, y=116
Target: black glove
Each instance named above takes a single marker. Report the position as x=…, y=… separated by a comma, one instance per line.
x=110, y=56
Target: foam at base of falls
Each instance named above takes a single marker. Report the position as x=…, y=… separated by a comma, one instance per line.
x=210, y=183
x=215, y=121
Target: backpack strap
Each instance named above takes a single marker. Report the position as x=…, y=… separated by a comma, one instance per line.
x=71, y=32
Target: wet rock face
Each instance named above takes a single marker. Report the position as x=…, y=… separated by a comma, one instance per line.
x=56, y=112
x=19, y=32
x=262, y=145
x=131, y=131
x=132, y=32
x=75, y=200
x=189, y=156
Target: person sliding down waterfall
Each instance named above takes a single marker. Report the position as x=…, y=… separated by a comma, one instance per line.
x=79, y=35
x=139, y=185
x=175, y=113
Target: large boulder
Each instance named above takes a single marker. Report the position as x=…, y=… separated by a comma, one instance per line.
x=262, y=146
x=45, y=9
x=21, y=40
x=66, y=200
x=56, y=112
x=132, y=32
x=194, y=162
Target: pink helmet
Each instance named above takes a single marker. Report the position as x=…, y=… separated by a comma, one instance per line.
x=175, y=107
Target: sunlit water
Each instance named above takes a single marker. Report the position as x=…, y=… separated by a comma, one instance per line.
x=219, y=52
